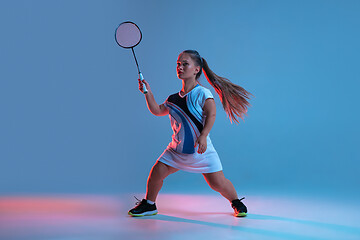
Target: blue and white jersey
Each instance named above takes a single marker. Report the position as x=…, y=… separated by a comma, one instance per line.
x=187, y=119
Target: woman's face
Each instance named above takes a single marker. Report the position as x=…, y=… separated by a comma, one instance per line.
x=186, y=67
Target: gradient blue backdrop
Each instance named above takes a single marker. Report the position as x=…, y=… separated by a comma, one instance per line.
x=72, y=118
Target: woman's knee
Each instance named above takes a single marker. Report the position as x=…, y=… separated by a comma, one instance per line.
x=160, y=171
x=216, y=181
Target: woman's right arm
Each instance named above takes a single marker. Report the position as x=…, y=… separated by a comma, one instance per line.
x=156, y=109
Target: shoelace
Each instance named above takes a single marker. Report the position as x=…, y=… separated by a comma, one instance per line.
x=239, y=200
x=138, y=201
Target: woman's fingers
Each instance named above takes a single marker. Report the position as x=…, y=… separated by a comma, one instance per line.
x=201, y=143
x=141, y=85
x=202, y=149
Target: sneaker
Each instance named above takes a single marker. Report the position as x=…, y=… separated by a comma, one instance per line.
x=239, y=208
x=143, y=208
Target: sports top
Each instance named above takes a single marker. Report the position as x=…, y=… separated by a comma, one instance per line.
x=187, y=118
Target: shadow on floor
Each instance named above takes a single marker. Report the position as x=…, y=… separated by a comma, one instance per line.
x=239, y=227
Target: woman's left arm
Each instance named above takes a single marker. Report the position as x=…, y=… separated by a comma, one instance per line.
x=209, y=110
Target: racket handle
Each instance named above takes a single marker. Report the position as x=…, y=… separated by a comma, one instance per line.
x=143, y=84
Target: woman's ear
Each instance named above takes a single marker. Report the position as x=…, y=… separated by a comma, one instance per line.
x=197, y=70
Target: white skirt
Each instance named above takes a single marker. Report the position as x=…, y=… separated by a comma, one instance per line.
x=207, y=162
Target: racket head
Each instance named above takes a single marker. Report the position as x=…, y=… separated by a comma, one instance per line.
x=128, y=35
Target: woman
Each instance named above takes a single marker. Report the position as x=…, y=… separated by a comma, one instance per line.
x=192, y=114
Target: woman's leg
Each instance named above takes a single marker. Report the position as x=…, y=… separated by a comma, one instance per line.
x=219, y=183
x=156, y=177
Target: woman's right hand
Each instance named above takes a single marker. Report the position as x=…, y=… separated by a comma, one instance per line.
x=141, y=85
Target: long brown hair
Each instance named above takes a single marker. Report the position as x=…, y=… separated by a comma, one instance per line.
x=232, y=96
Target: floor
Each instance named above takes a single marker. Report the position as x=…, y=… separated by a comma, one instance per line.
x=181, y=216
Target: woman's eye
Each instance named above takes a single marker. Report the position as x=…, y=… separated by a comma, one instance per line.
x=184, y=64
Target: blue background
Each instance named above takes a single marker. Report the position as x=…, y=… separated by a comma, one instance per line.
x=73, y=120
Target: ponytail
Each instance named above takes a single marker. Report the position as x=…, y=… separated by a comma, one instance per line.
x=232, y=96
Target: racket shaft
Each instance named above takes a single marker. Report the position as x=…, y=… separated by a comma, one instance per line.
x=140, y=74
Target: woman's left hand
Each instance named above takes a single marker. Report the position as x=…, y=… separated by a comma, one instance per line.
x=202, y=143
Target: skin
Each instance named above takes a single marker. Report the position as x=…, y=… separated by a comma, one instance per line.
x=186, y=71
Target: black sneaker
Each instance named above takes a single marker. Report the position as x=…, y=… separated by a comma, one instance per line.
x=239, y=208
x=143, y=208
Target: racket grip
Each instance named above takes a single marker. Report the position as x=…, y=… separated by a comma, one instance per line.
x=143, y=84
